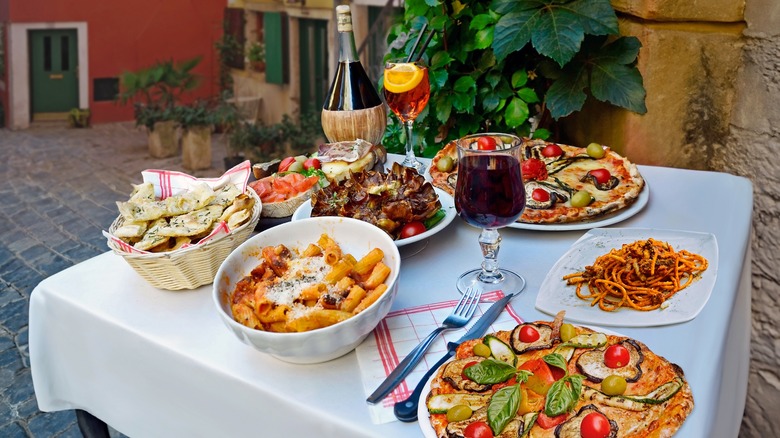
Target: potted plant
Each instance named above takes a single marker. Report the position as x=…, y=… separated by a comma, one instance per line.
x=304, y=135
x=154, y=92
x=196, y=121
x=79, y=118
x=227, y=119
x=515, y=66
x=255, y=54
x=259, y=142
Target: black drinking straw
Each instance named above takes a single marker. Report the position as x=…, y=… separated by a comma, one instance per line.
x=417, y=43
x=425, y=45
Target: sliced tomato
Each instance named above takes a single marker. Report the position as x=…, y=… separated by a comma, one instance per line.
x=595, y=425
x=602, y=175
x=412, y=229
x=478, y=429
x=486, y=144
x=546, y=422
x=312, y=163
x=286, y=163
x=540, y=194
x=542, y=377
x=552, y=150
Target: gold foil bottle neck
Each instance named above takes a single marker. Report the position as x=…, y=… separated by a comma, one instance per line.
x=344, y=18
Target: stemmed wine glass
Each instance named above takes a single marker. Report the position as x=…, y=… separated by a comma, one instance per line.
x=407, y=91
x=490, y=194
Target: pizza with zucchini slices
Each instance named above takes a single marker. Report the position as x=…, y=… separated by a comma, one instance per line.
x=563, y=183
x=550, y=379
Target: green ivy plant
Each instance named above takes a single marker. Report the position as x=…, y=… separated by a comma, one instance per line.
x=514, y=65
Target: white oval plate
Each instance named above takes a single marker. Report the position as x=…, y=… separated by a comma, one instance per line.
x=447, y=203
x=554, y=295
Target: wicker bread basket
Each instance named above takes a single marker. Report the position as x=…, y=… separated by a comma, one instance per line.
x=287, y=207
x=191, y=267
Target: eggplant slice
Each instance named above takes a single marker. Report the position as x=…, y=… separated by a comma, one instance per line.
x=453, y=373
x=571, y=427
x=591, y=363
x=545, y=338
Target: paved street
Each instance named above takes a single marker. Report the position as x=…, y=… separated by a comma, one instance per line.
x=59, y=188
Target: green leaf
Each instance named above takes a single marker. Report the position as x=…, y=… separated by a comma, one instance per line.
x=503, y=407
x=490, y=371
x=619, y=85
x=516, y=113
x=490, y=102
x=464, y=102
x=519, y=78
x=556, y=360
x=443, y=106
x=597, y=16
x=439, y=23
x=493, y=78
x=439, y=60
x=433, y=3
x=542, y=133
x=566, y=95
x=528, y=95
x=439, y=78
x=481, y=21
x=484, y=38
x=513, y=31
x=558, y=399
x=558, y=36
x=464, y=84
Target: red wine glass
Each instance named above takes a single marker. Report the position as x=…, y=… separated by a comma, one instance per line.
x=490, y=194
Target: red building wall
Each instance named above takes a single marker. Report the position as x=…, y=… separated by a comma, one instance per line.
x=129, y=35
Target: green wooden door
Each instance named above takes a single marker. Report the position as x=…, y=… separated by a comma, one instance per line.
x=313, y=64
x=53, y=70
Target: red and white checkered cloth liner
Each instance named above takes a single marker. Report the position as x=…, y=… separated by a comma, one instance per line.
x=400, y=332
x=168, y=183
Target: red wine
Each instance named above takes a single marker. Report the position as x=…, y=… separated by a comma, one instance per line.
x=490, y=191
x=351, y=89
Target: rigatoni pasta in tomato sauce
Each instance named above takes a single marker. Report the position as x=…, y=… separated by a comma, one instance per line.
x=296, y=291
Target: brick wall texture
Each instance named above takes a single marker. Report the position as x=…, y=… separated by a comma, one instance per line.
x=712, y=75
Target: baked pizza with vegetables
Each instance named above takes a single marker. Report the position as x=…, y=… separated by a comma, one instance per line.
x=401, y=201
x=563, y=183
x=554, y=379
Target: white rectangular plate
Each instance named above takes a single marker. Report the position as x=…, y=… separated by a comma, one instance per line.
x=554, y=295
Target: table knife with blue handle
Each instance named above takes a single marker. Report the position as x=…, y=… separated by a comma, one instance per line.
x=406, y=410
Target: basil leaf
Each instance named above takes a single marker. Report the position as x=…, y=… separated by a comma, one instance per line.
x=576, y=388
x=556, y=360
x=522, y=375
x=490, y=371
x=558, y=399
x=503, y=407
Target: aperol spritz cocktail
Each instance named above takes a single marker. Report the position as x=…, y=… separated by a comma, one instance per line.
x=407, y=90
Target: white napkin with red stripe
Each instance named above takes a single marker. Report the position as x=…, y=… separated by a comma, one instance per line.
x=402, y=330
x=169, y=182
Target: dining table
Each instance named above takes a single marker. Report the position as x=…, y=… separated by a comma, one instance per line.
x=152, y=362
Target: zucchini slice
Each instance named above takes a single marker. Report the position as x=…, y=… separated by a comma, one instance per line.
x=588, y=340
x=660, y=394
x=441, y=403
x=500, y=350
x=528, y=422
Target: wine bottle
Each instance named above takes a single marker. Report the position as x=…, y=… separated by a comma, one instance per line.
x=352, y=108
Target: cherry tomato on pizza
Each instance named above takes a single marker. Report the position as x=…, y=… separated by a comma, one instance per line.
x=602, y=175
x=412, y=229
x=540, y=194
x=552, y=150
x=595, y=425
x=285, y=164
x=478, y=429
x=616, y=356
x=312, y=163
x=528, y=334
x=486, y=144
x=534, y=169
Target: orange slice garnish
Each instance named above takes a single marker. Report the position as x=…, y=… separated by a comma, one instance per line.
x=402, y=77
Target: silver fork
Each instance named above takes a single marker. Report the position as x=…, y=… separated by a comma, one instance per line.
x=459, y=317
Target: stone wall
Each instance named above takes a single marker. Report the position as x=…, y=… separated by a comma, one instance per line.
x=712, y=73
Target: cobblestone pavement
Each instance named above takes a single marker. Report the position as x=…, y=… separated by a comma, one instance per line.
x=58, y=191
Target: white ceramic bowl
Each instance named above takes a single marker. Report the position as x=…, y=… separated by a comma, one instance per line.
x=320, y=345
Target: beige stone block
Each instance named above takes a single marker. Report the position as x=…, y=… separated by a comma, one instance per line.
x=689, y=72
x=685, y=10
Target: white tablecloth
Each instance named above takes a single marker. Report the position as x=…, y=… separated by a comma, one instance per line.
x=159, y=363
